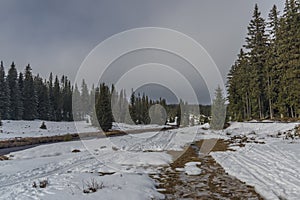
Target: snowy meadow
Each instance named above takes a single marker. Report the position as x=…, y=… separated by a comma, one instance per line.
x=264, y=156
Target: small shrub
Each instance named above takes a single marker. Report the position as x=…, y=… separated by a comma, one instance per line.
x=42, y=184
x=92, y=186
x=43, y=126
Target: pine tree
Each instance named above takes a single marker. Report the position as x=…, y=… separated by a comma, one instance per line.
x=272, y=61
x=76, y=103
x=57, y=101
x=29, y=95
x=132, y=109
x=66, y=100
x=114, y=104
x=288, y=61
x=256, y=44
x=4, y=94
x=85, y=99
x=218, y=110
x=42, y=94
x=15, y=112
x=103, y=108
x=51, y=98
x=21, y=88
x=238, y=88
x=270, y=77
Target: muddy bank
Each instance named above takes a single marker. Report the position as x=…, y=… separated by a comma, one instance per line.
x=212, y=183
x=20, y=143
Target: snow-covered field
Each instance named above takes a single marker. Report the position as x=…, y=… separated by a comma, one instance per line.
x=129, y=158
x=121, y=165
x=12, y=129
x=273, y=168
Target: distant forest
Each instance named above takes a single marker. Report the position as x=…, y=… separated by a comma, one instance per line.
x=264, y=81
x=24, y=96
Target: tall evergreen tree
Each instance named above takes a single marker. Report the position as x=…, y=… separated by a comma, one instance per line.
x=42, y=94
x=57, y=101
x=76, y=103
x=218, y=110
x=103, y=108
x=15, y=112
x=256, y=44
x=67, y=100
x=51, y=98
x=29, y=95
x=85, y=99
x=4, y=94
x=21, y=88
x=132, y=109
x=272, y=75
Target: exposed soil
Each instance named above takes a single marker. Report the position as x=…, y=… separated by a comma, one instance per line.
x=28, y=141
x=212, y=183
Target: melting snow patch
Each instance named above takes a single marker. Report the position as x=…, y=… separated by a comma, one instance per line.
x=192, y=169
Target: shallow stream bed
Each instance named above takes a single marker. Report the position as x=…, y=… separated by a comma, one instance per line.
x=212, y=183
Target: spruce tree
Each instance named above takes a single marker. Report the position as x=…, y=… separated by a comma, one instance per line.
x=271, y=68
x=29, y=95
x=132, y=109
x=15, y=111
x=218, y=111
x=85, y=99
x=103, y=108
x=66, y=100
x=4, y=94
x=256, y=45
x=76, y=103
x=51, y=98
x=21, y=88
x=57, y=101
x=42, y=93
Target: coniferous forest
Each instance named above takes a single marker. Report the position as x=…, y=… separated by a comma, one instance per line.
x=264, y=81
x=24, y=96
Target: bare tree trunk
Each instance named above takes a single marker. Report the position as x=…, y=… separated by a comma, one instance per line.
x=271, y=109
x=259, y=107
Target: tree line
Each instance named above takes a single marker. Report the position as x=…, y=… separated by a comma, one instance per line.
x=113, y=106
x=264, y=81
x=24, y=96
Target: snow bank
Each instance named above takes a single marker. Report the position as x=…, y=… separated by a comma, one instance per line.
x=272, y=168
x=192, y=169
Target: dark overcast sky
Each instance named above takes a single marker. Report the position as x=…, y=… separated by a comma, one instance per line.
x=57, y=35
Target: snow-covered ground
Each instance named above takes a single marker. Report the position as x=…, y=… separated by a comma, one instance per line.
x=128, y=159
x=121, y=165
x=273, y=168
x=125, y=127
x=191, y=168
x=12, y=128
